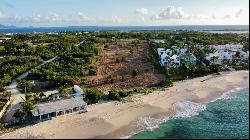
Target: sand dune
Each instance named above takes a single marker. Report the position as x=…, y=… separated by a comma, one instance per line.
x=116, y=120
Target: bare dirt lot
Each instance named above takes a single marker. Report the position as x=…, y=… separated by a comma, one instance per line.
x=125, y=65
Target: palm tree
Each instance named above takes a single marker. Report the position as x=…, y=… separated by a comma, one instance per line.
x=7, y=95
x=28, y=104
x=20, y=115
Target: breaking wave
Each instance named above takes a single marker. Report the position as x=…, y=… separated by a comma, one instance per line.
x=183, y=108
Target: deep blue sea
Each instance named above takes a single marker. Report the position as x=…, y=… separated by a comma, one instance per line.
x=237, y=28
x=226, y=118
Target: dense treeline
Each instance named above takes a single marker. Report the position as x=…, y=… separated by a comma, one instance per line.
x=70, y=67
x=10, y=67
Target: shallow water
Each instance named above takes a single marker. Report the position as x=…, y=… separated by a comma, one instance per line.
x=225, y=118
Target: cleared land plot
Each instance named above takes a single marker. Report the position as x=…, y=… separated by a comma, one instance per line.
x=125, y=65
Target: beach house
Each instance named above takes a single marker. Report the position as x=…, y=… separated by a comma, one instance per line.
x=48, y=110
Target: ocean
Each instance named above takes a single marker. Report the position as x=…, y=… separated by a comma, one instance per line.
x=210, y=28
x=224, y=118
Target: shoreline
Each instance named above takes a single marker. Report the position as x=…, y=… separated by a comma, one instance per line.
x=118, y=120
x=131, y=129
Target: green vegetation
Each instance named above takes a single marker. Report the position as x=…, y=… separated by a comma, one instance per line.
x=92, y=70
x=28, y=105
x=118, y=95
x=26, y=85
x=20, y=116
x=12, y=66
x=166, y=83
x=77, y=54
x=92, y=95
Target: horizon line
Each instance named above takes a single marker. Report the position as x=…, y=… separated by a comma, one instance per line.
x=122, y=25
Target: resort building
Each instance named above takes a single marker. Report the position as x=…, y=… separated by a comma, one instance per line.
x=164, y=55
x=175, y=56
x=175, y=59
x=226, y=52
x=230, y=47
x=46, y=111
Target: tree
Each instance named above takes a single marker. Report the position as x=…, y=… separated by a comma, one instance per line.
x=28, y=104
x=92, y=70
x=26, y=85
x=92, y=95
x=114, y=95
x=166, y=83
x=41, y=95
x=20, y=115
x=7, y=95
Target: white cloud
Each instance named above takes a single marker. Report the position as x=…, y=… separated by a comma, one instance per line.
x=55, y=18
x=83, y=17
x=239, y=13
x=236, y=14
x=142, y=11
x=171, y=13
x=227, y=16
x=2, y=16
x=214, y=17
x=116, y=19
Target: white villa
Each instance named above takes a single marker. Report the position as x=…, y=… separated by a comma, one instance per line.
x=175, y=59
x=231, y=47
x=221, y=55
x=226, y=52
x=175, y=56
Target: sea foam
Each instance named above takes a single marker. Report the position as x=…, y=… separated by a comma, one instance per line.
x=228, y=95
x=186, y=108
x=183, y=108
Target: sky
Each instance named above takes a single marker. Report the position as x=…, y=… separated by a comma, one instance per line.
x=47, y=13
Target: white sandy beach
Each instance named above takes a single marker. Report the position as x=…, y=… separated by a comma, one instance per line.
x=117, y=120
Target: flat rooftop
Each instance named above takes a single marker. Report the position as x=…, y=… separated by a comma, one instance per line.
x=58, y=105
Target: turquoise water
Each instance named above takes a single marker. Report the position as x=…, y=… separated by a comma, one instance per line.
x=222, y=119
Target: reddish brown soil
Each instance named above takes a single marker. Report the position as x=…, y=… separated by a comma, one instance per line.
x=121, y=72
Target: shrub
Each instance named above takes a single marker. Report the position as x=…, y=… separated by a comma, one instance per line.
x=117, y=60
x=135, y=72
x=118, y=95
x=166, y=83
x=123, y=59
x=114, y=95
x=147, y=91
x=110, y=79
x=92, y=95
x=92, y=70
